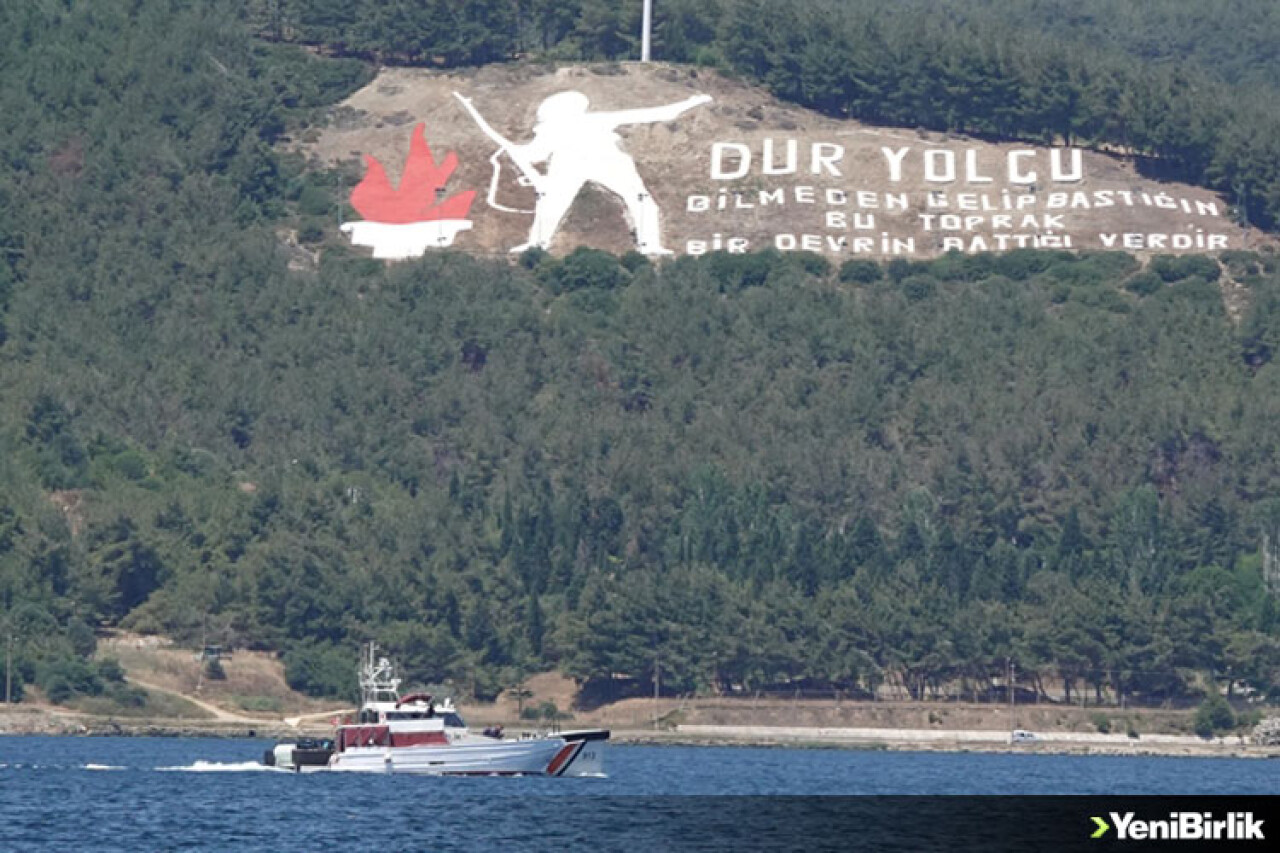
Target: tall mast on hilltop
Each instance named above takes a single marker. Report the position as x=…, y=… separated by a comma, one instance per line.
x=645, y=27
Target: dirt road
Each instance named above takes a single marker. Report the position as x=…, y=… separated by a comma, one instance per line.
x=219, y=714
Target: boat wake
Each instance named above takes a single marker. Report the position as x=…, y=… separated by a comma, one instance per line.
x=103, y=767
x=218, y=767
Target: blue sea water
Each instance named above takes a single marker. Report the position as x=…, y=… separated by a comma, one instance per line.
x=143, y=794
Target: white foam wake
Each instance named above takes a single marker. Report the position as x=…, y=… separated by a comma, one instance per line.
x=217, y=767
x=102, y=767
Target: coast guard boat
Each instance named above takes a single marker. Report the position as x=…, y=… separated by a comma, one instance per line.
x=414, y=734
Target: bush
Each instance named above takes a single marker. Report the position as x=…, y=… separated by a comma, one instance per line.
x=310, y=233
x=1173, y=268
x=1144, y=283
x=1197, y=291
x=633, y=260
x=1022, y=264
x=63, y=678
x=814, y=264
x=1102, y=723
x=110, y=671
x=315, y=201
x=131, y=464
x=58, y=690
x=82, y=639
x=532, y=257
x=1105, y=298
x=1109, y=266
x=859, y=271
x=738, y=272
x=919, y=287
x=898, y=269
x=1213, y=716
x=584, y=268
x=1242, y=263
x=213, y=670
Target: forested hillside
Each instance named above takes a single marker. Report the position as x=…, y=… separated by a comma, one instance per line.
x=760, y=470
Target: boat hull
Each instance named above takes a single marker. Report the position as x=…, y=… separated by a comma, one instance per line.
x=587, y=755
x=578, y=753
x=505, y=758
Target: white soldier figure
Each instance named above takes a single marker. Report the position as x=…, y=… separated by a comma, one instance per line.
x=580, y=146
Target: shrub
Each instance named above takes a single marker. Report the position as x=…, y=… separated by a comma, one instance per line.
x=1106, y=299
x=1022, y=264
x=315, y=201
x=1144, y=283
x=919, y=287
x=532, y=257
x=1242, y=263
x=110, y=671
x=1213, y=716
x=738, y=272
x=633, y=260
x=1109, y=265
x=63, y=678
x=898, y=269
x=1197, y=291
x=82, y=639
x=310, y=233
x=859, y=271
x=1173, y=268
x=813, y=264
x=584, y=268
x=213, y=670
x=58, y=690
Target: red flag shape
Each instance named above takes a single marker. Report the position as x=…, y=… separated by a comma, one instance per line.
x=415, y=199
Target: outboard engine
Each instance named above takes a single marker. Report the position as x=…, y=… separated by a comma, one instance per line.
x=303, y=754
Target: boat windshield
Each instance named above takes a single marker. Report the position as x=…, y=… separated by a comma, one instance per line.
x=453, y=721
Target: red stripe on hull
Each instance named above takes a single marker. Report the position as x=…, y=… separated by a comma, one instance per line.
x=564, y=758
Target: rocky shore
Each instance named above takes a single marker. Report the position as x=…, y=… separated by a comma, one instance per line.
x=935, y=740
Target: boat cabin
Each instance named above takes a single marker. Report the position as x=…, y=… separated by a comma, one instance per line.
x=386, y=719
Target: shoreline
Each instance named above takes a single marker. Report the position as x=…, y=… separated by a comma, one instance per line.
x=957, y=741
x=35, y=721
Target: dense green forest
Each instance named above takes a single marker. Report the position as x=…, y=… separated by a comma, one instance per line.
x=759, y=471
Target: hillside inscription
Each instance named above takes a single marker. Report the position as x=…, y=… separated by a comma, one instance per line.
x=664, y=161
